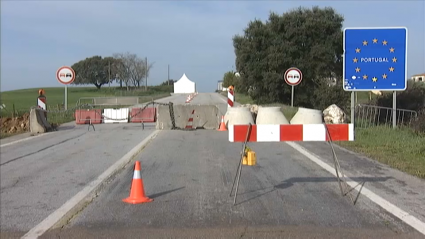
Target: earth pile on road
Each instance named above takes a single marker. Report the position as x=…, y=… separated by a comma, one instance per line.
x=11, y=125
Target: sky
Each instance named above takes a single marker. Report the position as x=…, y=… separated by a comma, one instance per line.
x=192, y=37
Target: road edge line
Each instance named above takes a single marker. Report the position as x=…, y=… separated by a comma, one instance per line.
x=391, y=208
x=81, y=196
x=24, y=139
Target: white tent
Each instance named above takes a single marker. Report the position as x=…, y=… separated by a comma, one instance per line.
x=184, y=85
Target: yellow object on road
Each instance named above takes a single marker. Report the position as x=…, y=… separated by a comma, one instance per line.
x=252, y=159
x=245, y=160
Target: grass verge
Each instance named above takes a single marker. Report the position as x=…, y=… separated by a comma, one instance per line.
x=400, y=148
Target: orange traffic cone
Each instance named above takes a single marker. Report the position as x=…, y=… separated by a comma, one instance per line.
x=137, y=194
x=222, y=125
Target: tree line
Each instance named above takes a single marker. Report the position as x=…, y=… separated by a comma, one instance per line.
x=309, y=39
x=125, y=68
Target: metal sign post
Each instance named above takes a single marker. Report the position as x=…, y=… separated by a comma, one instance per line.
x=65, y=75
x=293, y=76
x=375, y=59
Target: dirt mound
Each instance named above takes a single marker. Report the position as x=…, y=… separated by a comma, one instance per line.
x=16, y=124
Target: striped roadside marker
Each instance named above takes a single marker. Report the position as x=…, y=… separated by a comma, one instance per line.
x=230, y=98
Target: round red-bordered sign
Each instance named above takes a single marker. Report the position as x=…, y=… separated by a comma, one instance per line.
x=293, y=76
x=65, y=75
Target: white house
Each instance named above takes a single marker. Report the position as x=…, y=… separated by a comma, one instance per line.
x=184, y=86
x=419, y=78
x=220, y=85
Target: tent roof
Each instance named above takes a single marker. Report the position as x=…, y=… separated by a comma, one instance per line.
x=184, y=78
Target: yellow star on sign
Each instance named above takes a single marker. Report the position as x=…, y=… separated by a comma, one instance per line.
x=375, y=40
x=392, y=49
x=364, y=77
x=364, y=43
x=391, y=69
x=357, y=50
x=374, y=79
x=394, y=59
x=384, y=43
x=384, y=76
x=357, y=69
x=355, y=60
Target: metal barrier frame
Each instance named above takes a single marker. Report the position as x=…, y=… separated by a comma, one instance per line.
x=92, y=103
x=372, y=115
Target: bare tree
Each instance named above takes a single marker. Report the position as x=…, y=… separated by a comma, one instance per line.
x=137, y=71
x=123, y=69
x=132, y=70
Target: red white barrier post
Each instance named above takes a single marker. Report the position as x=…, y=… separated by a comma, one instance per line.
x=41, y=102
x=230, y=98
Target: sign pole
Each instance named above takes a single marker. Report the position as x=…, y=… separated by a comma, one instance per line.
x=352, y=107
x=66, y=97
x=385, y=71
x=395, y=109
x=293, y=76
x=65, y=75
x=292, y=97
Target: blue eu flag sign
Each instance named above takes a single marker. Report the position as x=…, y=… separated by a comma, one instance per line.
x=375, y=59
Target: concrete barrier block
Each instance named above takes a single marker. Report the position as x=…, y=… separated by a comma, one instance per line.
x=237, y=116
x=307, y=116
x=270, y=115
x=205, y=116
x=38, y=122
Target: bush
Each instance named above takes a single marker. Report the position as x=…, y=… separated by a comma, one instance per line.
x=419, y=124
x=413, y=98
x=325, y=95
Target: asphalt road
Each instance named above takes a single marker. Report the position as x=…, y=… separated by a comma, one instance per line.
x=39, y=174
x=190, y=173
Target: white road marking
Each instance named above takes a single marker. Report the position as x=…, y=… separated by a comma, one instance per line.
x=391, y=208
x=57, y=215
x=22, y=140
x=221, y=98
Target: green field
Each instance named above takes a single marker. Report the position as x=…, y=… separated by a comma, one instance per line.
x=19, y=102
x=400, y=148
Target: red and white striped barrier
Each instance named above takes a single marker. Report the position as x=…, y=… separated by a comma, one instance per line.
x=122, y=115
x=294, y=132
x=41, y=102
x=230, y=98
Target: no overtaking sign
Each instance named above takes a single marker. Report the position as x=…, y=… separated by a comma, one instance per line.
x=293, y=76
